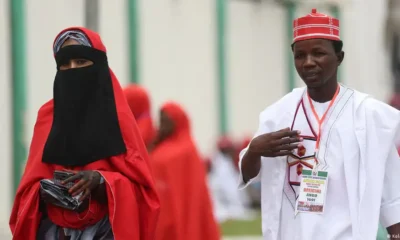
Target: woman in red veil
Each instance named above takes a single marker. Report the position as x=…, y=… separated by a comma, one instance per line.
x=88, y=130
x=186, y=208
x=139, y=102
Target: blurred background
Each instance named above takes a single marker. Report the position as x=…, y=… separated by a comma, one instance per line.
x=224, y=60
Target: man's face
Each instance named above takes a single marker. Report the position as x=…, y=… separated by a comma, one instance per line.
x=316, y=61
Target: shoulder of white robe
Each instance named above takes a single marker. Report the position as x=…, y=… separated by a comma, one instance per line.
x=383, y=115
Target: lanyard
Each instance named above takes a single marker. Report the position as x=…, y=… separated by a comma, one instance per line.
x=321, y=120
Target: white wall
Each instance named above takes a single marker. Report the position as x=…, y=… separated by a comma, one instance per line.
x=113, y=24
x=256, y=60
x=5, y=120
x=43, y=22
x=366, y=64
x=178, y=59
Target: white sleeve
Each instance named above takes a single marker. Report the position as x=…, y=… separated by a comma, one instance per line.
x=262, y=128
x=242, y=184
x=390, y=206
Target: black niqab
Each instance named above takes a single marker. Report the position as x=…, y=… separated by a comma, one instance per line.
x=85, y=122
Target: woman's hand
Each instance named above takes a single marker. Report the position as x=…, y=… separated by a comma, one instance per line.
x=45, y=197
x=88, y=181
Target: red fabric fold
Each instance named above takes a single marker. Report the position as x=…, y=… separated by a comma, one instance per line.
x=133, y=204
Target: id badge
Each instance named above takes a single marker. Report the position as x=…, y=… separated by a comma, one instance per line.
x=313, y=188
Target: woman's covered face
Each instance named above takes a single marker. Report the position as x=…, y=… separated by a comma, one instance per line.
x=74, y=63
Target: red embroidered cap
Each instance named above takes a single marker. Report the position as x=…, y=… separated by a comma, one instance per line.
x=315, y=25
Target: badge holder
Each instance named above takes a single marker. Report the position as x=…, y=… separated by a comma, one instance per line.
x=313, y=188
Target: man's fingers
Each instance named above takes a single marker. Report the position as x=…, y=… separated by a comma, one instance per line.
x=287, y=147
x=284, y=129
x=278, y=135
x=290, y=140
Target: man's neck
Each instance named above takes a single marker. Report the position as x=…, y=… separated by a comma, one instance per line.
x=324, y=93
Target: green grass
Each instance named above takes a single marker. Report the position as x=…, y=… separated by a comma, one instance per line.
x=242, y=228
x=253, y=228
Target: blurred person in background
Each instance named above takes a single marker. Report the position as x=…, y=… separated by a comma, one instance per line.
x=180, y=175
x=319, y=132
x=393, y=40
x=229, y=202
x=88, y=130
x=140, y=104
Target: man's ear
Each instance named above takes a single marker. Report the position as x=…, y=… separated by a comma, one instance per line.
x=340, y=57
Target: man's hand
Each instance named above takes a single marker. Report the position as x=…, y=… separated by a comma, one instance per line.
x=280, y=143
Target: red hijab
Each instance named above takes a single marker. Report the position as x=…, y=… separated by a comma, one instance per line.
x=139, y=102
x=186, y=210
x=133, y=204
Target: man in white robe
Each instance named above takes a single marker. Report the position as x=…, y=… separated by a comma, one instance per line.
x=325, y=128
